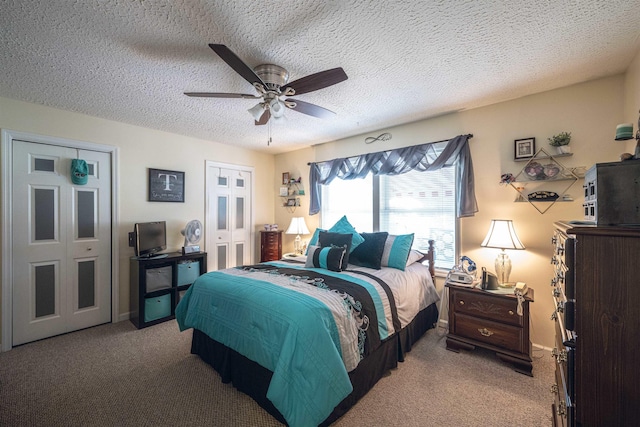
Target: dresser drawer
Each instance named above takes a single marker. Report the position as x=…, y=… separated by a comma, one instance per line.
x=507, y=337
x=270, y=238
x=477, y=304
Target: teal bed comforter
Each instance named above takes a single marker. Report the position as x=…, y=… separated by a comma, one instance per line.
x=308, y=326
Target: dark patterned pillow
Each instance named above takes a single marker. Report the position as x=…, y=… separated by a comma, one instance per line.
x=329, y=258
x=327, y=238
x=369, y=253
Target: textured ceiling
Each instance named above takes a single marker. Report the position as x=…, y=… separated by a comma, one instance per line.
x=131, y=60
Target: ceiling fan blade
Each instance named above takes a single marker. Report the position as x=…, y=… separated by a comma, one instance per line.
x=264, y=118
x=220, y=95
x=317, y=81
x=236, y=63
x=311, y=109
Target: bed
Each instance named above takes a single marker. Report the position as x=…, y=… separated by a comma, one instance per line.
x=306, y=343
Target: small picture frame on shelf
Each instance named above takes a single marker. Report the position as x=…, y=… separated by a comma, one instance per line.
x=291, y=202
x=524, y=148
x=284, y=191
x=285, y=178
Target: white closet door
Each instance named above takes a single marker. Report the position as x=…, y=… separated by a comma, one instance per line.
x=228, y=223
x=61, y=241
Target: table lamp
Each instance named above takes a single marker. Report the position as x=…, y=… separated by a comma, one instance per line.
x=503, y=236
x=297, y=227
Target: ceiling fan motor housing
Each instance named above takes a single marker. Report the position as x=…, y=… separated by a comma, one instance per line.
x=274, y=76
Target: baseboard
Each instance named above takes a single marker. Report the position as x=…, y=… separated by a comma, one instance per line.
x=540, y=347
x=124, y=316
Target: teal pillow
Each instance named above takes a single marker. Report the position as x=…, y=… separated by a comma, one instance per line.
x=314, y=239
x=344, y=227
x=396, y=251
x=329, y=258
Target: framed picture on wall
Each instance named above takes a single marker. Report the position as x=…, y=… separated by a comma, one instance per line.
x=166, y=186
x=525, y=148
x=285, y=178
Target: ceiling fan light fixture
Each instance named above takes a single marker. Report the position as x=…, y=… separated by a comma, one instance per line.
x=256, y=111
x=277, y=108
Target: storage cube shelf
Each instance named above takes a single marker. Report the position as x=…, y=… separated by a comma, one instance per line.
x=156, y=285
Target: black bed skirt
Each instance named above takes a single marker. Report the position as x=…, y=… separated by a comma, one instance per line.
x=253, y=379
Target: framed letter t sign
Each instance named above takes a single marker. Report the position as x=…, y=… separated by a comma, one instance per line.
x=166, y=186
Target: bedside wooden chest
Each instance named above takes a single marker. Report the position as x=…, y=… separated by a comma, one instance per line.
x=270, y=245
x=490, y=320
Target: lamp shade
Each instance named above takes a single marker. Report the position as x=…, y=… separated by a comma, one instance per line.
x=277, y=108
x=256, y=111
x=297, y=226
x=502, y=235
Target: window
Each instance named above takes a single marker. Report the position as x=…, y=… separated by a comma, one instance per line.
x=423, y=203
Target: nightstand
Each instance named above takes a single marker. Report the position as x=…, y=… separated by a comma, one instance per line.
x=490, y=320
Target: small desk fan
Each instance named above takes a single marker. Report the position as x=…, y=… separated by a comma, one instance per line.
x=192, y=233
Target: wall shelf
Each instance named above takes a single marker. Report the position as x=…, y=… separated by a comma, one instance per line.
x=545, y=157
x=543, y=173
x=294, y=190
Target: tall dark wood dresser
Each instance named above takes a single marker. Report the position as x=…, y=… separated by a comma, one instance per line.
x=596, y=289
x=270, y=245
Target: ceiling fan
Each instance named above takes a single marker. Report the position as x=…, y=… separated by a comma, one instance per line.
x=273, y=87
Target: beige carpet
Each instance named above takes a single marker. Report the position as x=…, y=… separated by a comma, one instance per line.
x=117, y=375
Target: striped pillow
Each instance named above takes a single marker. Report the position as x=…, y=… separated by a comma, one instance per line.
x=396, y=251
x=329, y=258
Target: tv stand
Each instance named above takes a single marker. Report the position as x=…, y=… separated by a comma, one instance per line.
x=156, y=284
x=156, y=256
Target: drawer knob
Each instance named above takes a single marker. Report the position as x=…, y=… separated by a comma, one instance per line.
x=511, y=312
x=485, y=332
x=461, y=302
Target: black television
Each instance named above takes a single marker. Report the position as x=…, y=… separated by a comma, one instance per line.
x=150, y=238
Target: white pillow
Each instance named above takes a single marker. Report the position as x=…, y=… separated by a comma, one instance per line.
x=413, y=257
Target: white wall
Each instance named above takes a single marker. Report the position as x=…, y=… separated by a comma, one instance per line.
x=632, y=99
x=590, y=111
x=139, y=149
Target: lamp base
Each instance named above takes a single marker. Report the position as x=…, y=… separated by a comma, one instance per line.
x=508, y=285
x=503, y=267
x=297, y=245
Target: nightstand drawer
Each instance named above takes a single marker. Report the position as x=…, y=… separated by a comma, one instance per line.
x=489, y=306
x=497, y=334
